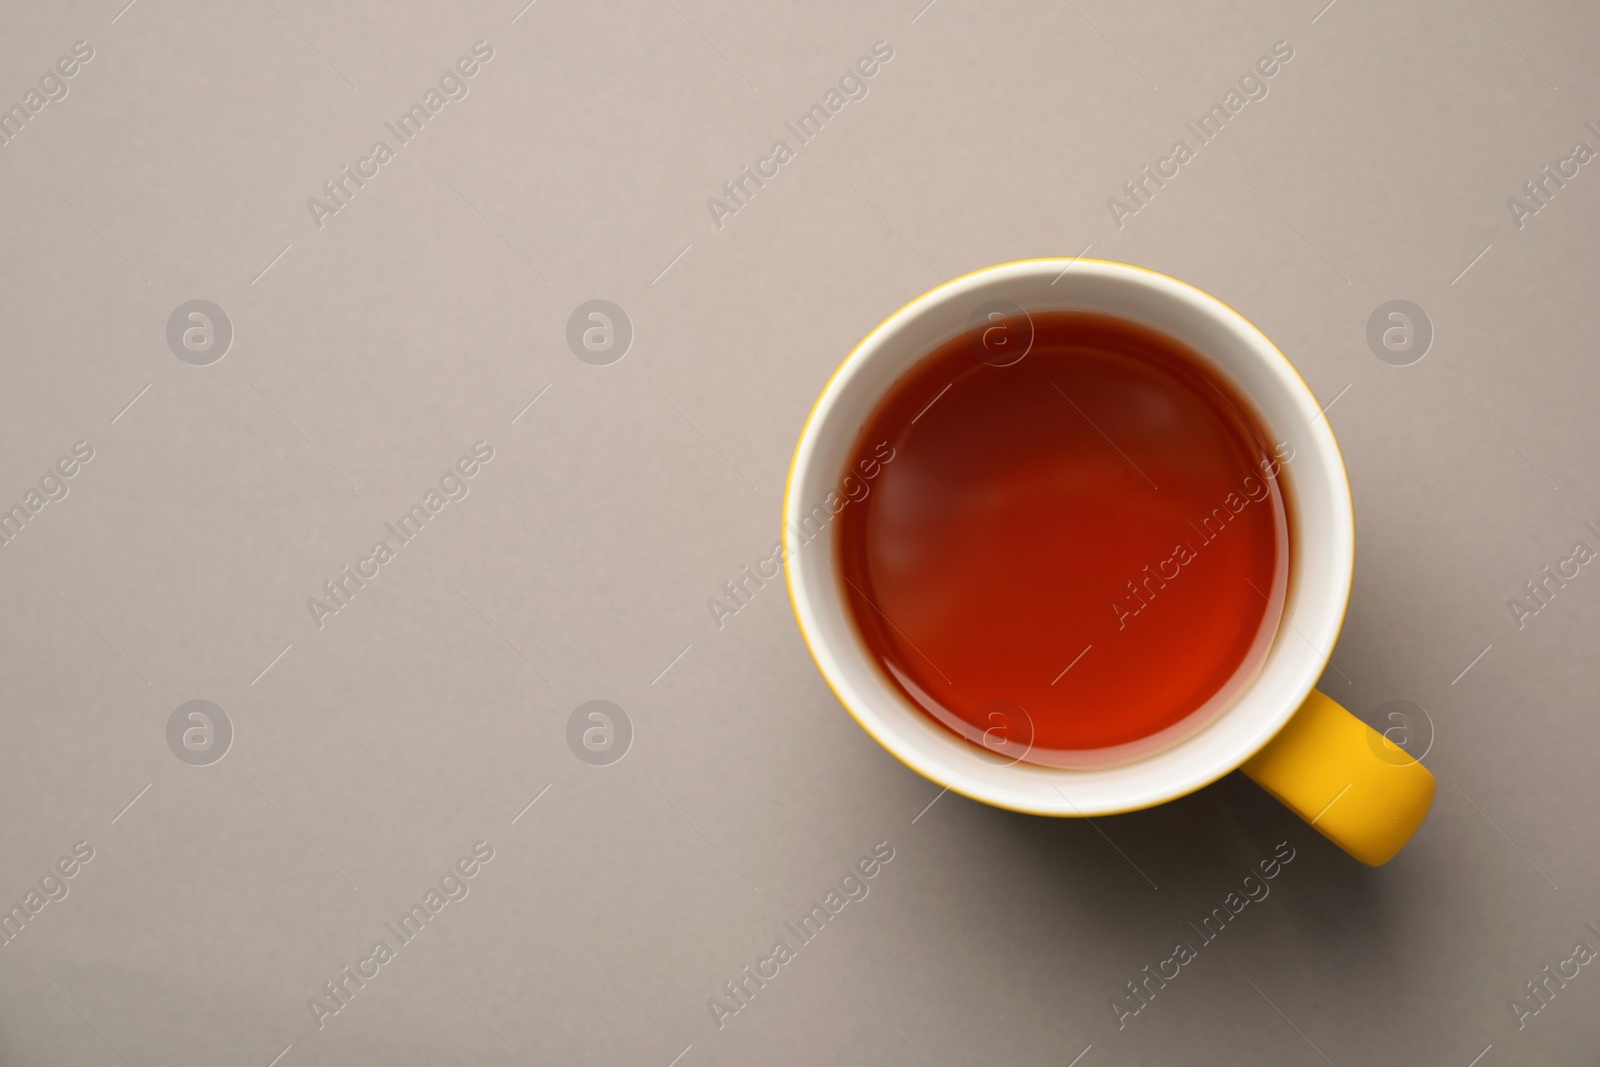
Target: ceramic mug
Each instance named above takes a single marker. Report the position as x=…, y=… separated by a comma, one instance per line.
x=1350, y=783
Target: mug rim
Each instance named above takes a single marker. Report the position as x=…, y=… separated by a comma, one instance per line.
x=1336, y=477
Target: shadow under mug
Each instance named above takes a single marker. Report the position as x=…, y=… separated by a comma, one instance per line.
x=1352, y=784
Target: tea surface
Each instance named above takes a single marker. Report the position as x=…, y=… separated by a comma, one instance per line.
x=1073, y=551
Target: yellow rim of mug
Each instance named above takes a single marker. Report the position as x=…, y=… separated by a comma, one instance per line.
x=805, y=429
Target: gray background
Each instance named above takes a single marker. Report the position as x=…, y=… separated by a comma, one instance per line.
x=423, y=718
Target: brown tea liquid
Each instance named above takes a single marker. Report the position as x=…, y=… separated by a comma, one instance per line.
x=1089, y=535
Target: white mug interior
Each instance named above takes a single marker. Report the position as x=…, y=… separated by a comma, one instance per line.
x=1321, y=523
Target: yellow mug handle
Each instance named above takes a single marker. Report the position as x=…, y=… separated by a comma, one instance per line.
x=1353, y=785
